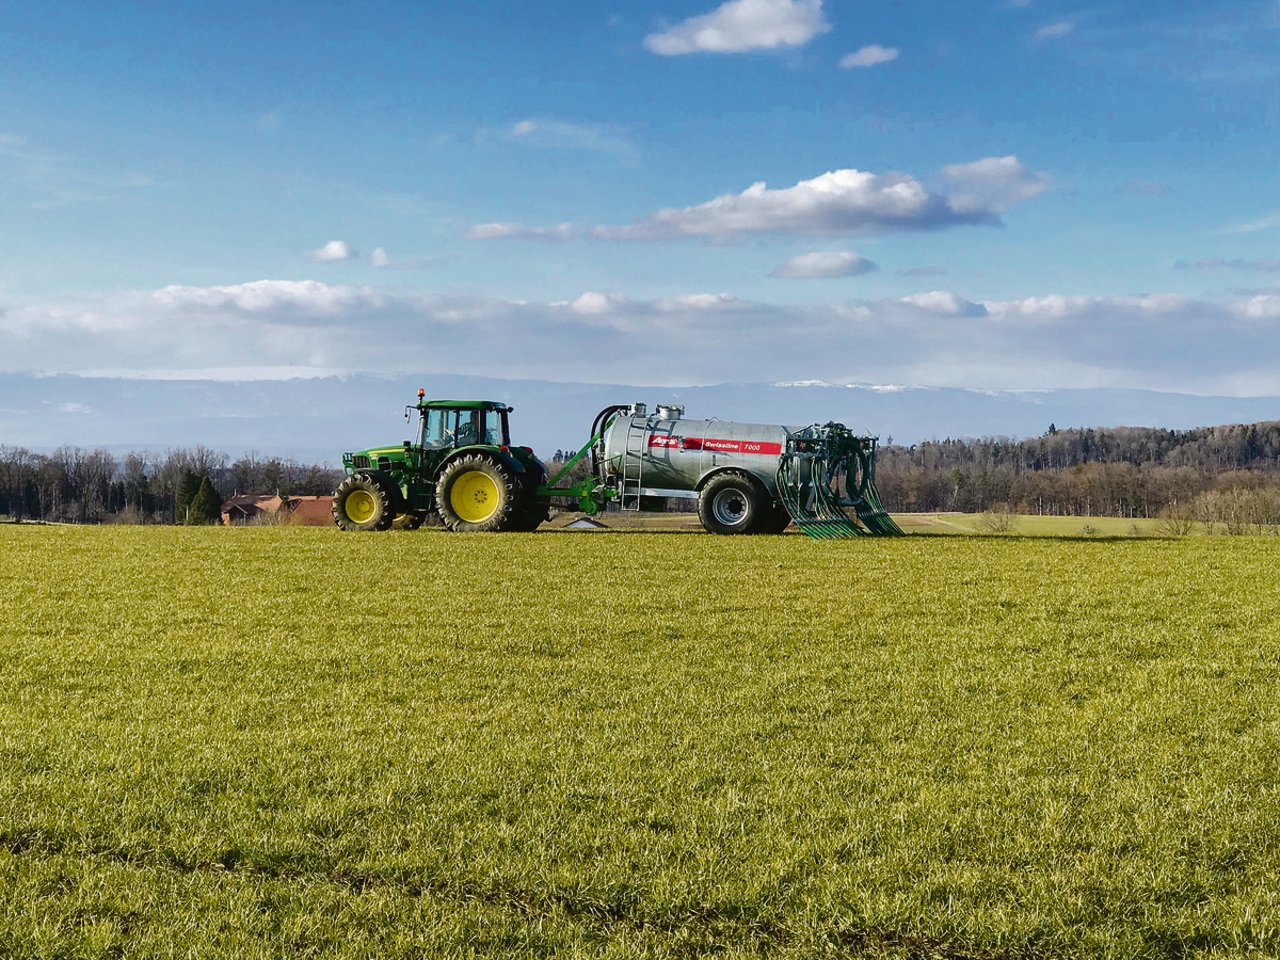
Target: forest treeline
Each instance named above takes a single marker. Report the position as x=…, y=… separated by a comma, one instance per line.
x=181, y=486
x=1118, y=472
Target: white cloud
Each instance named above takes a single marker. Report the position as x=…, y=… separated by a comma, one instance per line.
x=380, y=257
x=597, y=303
x=868, y=57
x=332, y=251
x=848, y=202
x=824, y=263
x=993, y=184
x=945, y=303
x=516, y=231
x=742, y=25
x=566, y=135
x=938, y=337
x=1050, y=31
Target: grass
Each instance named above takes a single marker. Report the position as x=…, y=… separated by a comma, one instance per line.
x=286, y=742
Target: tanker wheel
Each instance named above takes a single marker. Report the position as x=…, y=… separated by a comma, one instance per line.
x=775, y=519
x=362, y=503
x=731, y=503
x=477, y=493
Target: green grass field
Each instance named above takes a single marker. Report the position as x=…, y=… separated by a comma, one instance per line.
x=293, y=742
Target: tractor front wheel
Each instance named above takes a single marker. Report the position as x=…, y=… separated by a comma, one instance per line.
x=480, y=494
x=362, y=503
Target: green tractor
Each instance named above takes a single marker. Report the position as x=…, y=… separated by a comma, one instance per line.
x=461, y=467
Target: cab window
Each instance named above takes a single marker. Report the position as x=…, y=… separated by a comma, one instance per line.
x=495, y=422
x=435, y=427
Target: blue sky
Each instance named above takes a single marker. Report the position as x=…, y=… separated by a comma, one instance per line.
x=1020, y=193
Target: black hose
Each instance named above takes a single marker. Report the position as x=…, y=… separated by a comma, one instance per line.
x=597, y=425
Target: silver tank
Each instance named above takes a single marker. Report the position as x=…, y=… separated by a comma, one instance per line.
x=667, y=451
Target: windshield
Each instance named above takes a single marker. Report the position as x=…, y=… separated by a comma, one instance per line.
x=434, y=427
x=458, y=428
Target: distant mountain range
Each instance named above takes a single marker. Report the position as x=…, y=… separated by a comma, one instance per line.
x=316, y=419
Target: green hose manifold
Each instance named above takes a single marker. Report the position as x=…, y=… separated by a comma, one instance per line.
x=825, y=469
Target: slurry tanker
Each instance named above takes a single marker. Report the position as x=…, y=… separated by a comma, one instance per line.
x=745, y=477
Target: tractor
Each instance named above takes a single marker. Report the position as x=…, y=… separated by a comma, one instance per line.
x=461, y=467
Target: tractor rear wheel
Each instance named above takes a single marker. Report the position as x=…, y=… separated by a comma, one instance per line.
x=362, y=503
x=478, y=493
x=533, y=509
x=731, y=503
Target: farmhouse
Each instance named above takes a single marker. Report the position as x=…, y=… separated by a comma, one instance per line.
x=311, y=511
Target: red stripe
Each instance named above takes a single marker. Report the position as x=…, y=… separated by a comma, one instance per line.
x=716, y=445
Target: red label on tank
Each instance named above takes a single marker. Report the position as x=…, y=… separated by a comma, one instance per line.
x=716, y=445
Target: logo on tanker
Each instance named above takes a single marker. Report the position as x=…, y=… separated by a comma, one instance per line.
x=715, y=445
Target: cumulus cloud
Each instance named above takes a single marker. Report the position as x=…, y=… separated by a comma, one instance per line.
x=380, y=257
x=333, y=251
x=945, y=303
x=869, y=56
x=822, y=264
x=1261, y=265
x=270, y=328
x=849, y=202
x=517, y=231
x=1050, y=31
x=993, y=184
x=739, y=26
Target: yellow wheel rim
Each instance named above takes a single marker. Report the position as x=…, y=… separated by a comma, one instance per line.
x=474, y=496
x=360, y=506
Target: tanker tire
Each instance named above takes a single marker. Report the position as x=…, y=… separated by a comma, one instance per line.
x=362, y=504
x=776, y=519
x=478, y=494
x=731, y=503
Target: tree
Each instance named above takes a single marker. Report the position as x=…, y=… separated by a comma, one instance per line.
x=188, y=487
x=206, y=506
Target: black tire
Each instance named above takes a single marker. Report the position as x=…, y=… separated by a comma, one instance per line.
x=477, y=493
x=409, y=521
x=731, y=502
x=533, y=510
x=775, y=519
x=362, y=503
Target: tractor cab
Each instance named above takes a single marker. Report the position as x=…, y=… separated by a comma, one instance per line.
x=446, y=424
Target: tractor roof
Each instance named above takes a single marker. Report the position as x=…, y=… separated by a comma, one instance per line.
x=463, y=405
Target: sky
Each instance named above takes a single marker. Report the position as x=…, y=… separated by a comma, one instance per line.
x=1012, y=194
